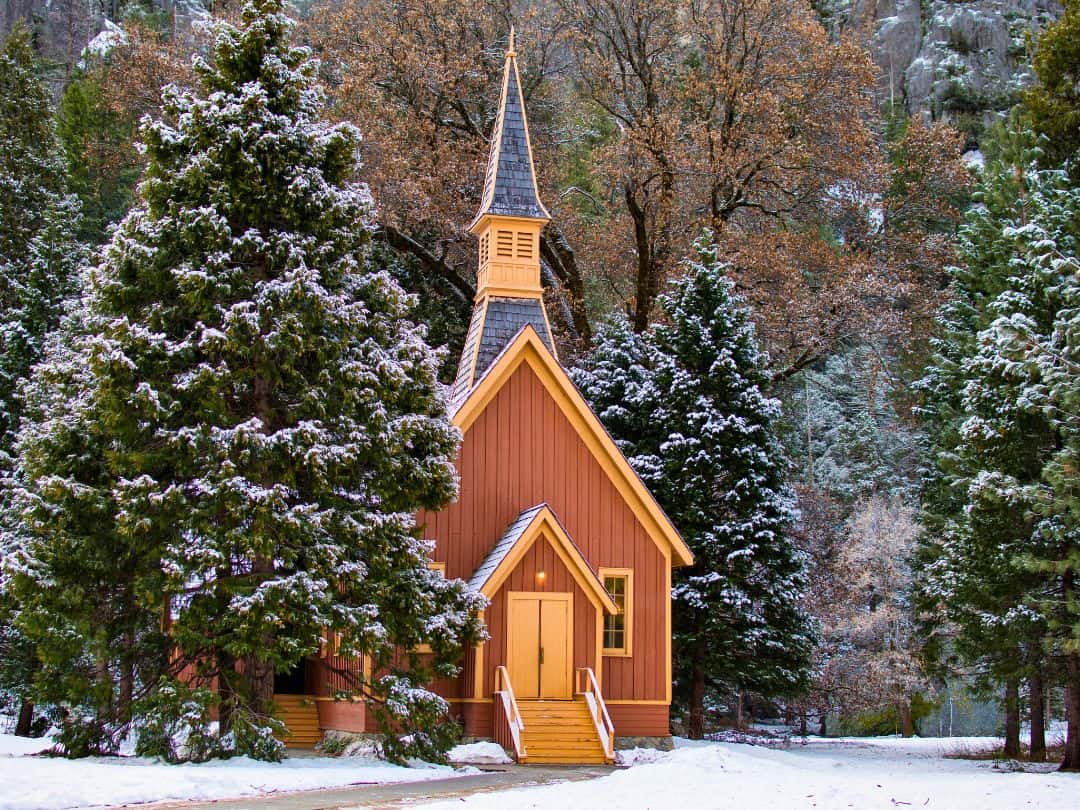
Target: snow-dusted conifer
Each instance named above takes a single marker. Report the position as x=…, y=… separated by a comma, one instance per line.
x=1023, y=436
x=273, y=414
x=997, y=573
x=686, y=401
x=38, y=259
x=38, y=218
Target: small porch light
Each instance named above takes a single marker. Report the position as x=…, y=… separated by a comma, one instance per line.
x=540, y=577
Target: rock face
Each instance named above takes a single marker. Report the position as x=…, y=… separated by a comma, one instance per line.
x=962, y=61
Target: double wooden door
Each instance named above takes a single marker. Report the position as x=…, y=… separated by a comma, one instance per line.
x=540, y=644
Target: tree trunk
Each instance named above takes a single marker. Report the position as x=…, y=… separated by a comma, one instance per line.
x=695, y=727
x=226, y=692
x=803, y=730
x=1012, y=718
x=907, y=726
x=1071, y=762
x=1038, y=717
x=259, y=675
x=258, y=672
x=740, y=718
x=127, y=676
x=823, y=731
x=26, y=718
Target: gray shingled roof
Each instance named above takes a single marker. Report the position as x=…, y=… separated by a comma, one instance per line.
x=490, y=332
x=502, y=548
x=509, y=186
x=505, y=318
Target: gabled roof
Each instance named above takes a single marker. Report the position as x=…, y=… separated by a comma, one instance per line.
x=528, y=347
x=510, y=182
x=532, y=524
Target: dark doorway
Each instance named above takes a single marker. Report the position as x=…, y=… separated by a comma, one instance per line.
x=292, y=682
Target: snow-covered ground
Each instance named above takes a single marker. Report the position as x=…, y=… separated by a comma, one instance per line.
x=40, y=783
x=847, y=773
x=479, y=753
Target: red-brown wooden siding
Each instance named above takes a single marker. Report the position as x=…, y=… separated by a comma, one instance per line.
x=522, y=451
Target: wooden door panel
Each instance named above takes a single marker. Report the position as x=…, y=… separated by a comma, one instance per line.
x=523, y=654
x=556, y=643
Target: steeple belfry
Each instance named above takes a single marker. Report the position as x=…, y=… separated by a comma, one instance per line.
x=509, y=295
x=511, y=215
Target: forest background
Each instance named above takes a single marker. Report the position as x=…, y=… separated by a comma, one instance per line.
x=833, y=182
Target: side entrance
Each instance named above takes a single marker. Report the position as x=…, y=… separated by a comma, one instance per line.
x=540, y=644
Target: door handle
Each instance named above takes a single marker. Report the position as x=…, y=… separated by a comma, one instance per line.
x=541, y=656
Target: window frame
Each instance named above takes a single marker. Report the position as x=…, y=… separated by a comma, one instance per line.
x=627, y=650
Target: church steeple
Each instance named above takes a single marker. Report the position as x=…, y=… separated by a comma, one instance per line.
x=509, y=294
x=510, y=188
x=511, y=215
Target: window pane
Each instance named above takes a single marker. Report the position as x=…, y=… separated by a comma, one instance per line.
x=615, y=626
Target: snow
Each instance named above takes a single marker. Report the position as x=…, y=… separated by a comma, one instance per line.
x=110, y=36
x=480, y=753
x=827, y=774
x=43, y=783
x=974, y=159
x=12, y=746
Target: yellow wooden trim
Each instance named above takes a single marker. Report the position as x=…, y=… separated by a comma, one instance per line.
x=637, y=702
x=554, y=350
x=528, y=293
x=667, y=632
x=520, y=222
x=599, y=667
x=478, y=662
x=476, y=347
x=627, y=651
x=529, y=348
x=545, y=524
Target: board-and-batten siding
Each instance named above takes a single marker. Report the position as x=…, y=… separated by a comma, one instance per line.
x=522, y=451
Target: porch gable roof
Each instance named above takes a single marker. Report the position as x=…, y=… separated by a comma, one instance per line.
x=519, y=537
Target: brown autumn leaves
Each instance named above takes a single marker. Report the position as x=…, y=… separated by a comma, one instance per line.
x=651, y=120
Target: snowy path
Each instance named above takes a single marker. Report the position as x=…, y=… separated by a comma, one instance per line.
x=826, y=774
x=39, y=783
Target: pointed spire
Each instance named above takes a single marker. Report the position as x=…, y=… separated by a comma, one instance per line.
x=510, y=187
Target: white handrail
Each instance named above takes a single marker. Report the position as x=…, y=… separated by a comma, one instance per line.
x=505, y=690
x=598, y=709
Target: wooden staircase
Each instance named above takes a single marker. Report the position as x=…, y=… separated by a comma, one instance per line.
x=560, y=732
x=301, y=717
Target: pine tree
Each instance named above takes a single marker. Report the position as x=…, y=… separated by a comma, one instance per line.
x=686, y=402
x=272, y=414
x=38, y=260
x=994, y=564
x=1025, y=376
x=38, y=253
